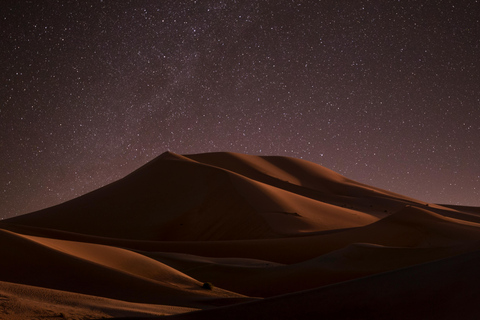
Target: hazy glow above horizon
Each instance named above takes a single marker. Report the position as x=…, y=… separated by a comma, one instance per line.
x=383, y=92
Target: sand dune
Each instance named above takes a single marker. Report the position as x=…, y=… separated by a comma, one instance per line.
x=308, y=179
x=182, y=199
x=288, y=237
x=171, y=197
x=97, y=270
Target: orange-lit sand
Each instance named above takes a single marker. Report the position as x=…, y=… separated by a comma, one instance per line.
x=279, y=238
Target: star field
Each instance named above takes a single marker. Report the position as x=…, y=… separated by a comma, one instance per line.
x=384, y=92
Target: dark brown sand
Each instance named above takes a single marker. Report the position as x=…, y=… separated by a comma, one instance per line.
x=279, y=238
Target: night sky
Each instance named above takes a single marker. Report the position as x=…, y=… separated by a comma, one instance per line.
x=384, y=92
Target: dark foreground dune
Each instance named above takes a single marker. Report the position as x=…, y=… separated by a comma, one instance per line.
x=278, y=238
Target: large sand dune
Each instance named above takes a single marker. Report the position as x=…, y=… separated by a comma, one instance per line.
x=279, y=238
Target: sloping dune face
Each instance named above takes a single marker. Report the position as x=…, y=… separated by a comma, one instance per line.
x=171, y=198
x=307, y=179
x=260, y=237
x=180, y=198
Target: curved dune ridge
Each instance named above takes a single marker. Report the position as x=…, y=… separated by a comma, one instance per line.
x=115, y=273
x=239, y=236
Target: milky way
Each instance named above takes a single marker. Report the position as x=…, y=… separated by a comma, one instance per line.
x=384, y=92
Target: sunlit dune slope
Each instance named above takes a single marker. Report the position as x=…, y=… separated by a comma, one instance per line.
x=308, y=179
x=96, y=270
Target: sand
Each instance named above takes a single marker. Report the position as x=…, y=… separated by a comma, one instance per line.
x=279, y=238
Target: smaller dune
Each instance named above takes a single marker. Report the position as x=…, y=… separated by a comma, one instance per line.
x=98, y=270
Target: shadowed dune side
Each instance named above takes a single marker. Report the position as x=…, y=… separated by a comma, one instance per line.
x=462, y=212
x=444, y=289
x=265, y=279
x=465, y=209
